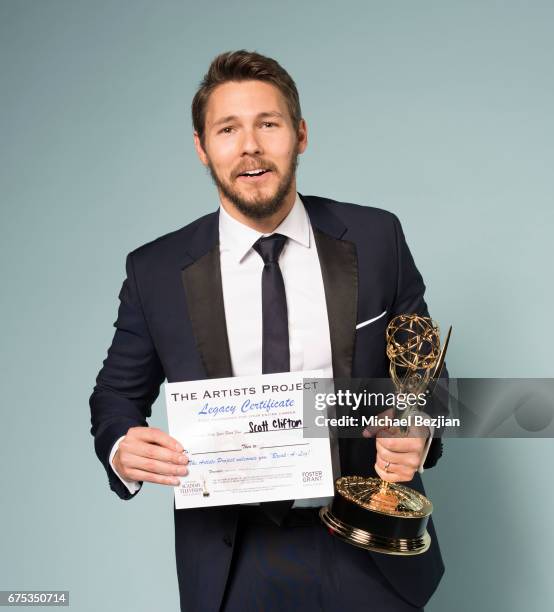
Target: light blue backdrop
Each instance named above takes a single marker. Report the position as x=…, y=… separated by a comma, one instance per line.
x=439, y=111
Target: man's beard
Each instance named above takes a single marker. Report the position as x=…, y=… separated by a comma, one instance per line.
x=259, y=207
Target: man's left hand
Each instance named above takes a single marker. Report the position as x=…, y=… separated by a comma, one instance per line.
x=398, y=455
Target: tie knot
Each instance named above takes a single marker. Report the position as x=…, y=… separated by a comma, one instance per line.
x=269, y=248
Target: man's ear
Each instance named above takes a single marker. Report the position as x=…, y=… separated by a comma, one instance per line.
x=302, y=136
x=200, y=149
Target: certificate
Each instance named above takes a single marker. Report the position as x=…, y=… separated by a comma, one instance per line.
x=246, y=440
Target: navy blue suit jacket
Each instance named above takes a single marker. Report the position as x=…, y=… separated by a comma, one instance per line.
x=171, y=325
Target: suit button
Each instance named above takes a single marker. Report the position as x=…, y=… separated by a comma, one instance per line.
x=227, y=541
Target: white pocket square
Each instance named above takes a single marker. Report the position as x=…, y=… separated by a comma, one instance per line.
x=364, y=323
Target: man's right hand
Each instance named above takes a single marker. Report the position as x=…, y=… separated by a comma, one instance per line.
x=151, y=455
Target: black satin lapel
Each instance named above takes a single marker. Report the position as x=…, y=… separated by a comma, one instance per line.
x=339, y=268
x=204, y=293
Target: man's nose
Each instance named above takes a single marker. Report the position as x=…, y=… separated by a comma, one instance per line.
x=250, y=143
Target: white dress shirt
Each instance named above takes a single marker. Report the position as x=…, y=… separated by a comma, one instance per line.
x=241, y=273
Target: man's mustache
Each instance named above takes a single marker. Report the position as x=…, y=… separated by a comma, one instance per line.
x=254, y=165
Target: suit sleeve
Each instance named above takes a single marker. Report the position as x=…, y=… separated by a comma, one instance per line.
x=409, y=299
x=129, y=381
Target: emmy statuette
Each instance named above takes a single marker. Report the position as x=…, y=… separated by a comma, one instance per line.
x=372, y=513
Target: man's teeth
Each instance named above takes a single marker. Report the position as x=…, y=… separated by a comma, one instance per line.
x=254, y=172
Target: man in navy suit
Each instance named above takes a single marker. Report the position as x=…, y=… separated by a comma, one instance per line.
x=191, y=308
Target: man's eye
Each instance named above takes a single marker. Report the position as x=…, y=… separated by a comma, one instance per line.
x=268, y=124
x=226, y=130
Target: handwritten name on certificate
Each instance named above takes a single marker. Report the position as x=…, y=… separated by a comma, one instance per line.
x=246, y=440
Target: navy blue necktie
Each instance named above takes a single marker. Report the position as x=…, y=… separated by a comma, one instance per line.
x=275, y=338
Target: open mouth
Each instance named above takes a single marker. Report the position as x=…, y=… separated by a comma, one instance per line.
x=254, y=174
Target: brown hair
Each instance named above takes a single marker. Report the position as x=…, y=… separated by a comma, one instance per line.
x=243, y=66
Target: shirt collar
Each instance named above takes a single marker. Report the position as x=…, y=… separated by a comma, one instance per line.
x=238, y=238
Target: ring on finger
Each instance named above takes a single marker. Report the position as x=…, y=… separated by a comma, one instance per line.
x=387, y=466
